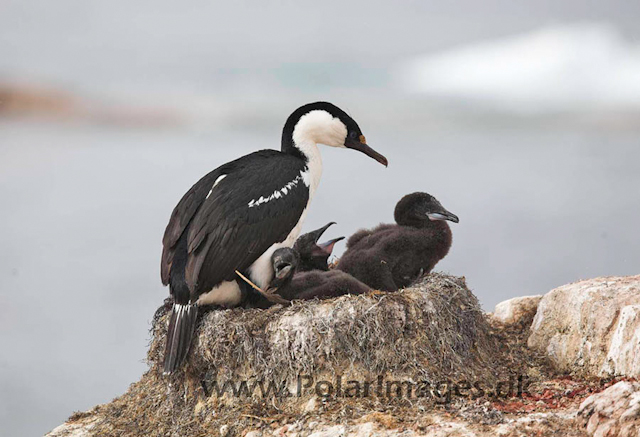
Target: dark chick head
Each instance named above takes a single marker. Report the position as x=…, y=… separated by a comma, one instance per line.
x=314, y=255
x=285, y=262
x=420, y=210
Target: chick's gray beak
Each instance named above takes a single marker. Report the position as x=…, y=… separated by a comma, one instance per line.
x=361, y=146
x=327, y=246
x=443, y=215
x=283, y=272
x=271, y=289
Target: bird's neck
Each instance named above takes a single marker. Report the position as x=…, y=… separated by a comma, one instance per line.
x=307, y=150
x=300, y=139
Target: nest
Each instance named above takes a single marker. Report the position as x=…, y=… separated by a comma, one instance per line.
x=434, y=330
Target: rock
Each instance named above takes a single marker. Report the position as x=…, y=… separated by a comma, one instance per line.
x=558, y=423
x=334, y=431
x=73, y=429
x=80, y=424
x=450, y=428
x=624, y=350
x=224, y=430
x=585, y=328
x=253, y=433
x=517, y=310
x=363, y=430
x=281, y=431
x=613, y=412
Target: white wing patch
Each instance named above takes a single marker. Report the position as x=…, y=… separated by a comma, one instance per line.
x=221, y=177
x=303, y=176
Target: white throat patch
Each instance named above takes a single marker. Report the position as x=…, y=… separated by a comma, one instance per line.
x=313, y=128
x=320, y=127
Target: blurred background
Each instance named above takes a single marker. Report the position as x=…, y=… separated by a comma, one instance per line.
x=523, y=118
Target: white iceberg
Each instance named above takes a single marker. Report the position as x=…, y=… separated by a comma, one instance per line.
x=562, y=67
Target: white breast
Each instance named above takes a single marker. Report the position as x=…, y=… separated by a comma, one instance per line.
x=261, y=271
x=227, y=294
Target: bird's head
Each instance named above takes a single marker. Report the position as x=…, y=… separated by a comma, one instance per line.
x=325, y=123
x=420, y=209
x=285, y=261
x=314, y=255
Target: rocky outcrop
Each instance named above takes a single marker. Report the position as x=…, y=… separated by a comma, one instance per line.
x=323, y=361
x=519, y=310
x=613, y=412
x=591, y=327
x=430, y=332
x=435, y=423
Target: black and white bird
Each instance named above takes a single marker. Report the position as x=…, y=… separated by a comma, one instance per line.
x=314, y=255
x=315, y=284
x=389, y=256
x=235, y=217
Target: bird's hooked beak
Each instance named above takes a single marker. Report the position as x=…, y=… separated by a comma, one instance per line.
x=318, y=232
x=443, y=215
x=360, y=144
x=323, y=249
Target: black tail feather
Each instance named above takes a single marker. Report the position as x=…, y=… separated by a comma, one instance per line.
x=181, y=328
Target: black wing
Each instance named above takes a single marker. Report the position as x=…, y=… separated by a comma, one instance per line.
x=234, y=223
x=181, y=217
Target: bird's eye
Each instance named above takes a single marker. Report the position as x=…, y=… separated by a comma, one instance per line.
x=353, y=134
